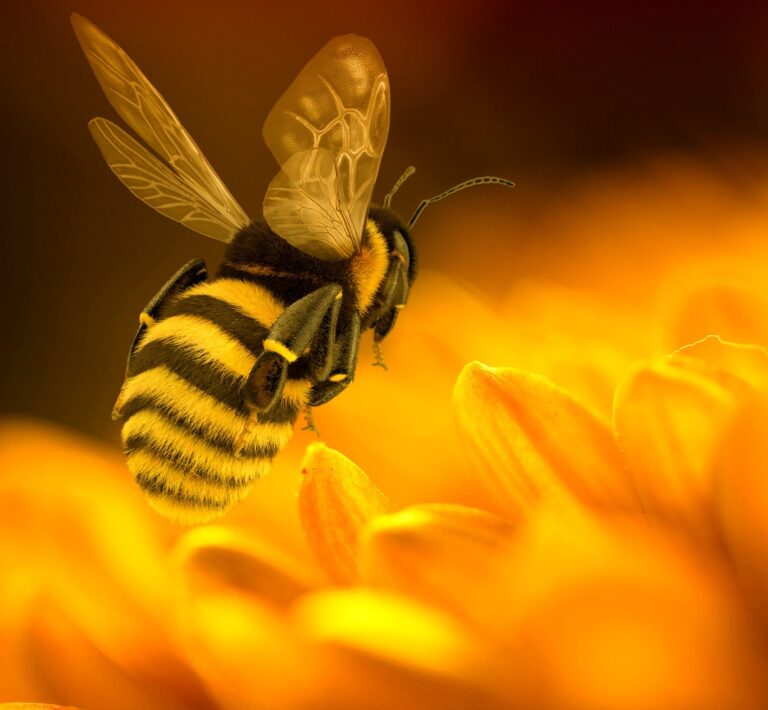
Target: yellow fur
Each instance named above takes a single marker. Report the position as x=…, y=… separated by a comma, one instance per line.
x=212, y=346
x=296, y=391
x=210, y=341
x=203, y=410
x=180, y=513
x=175, y=441
x=250, y=299
x=369, y=267
x=183, y=482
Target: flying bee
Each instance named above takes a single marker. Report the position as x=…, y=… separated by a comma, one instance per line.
x=221, y=367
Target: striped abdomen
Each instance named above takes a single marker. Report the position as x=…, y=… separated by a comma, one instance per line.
x=184, y=405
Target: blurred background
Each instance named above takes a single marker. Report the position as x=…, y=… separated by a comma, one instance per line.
x=605, y=115
x=637, y=135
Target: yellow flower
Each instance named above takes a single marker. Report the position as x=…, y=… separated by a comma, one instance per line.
x=594, y=537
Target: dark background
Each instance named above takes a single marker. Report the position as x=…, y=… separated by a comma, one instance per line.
x=543, y=93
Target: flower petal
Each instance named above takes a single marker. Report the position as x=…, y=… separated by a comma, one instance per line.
x=742, y=497
x=582, y=342
x=337, y=649
x=217, y=556
x=533, y=440
x=737, y=367
x=49, y=653
x=83, y=581
x=388, y=626
x=735, y=311
x=240, y=646
x=611, y=613
x=444, y=555
x=670, y=418
x=336, y=501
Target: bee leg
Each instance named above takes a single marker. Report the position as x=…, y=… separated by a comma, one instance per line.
x=346, y=350
x=380, y=330
x=191, y=274
x=310, y=422
x=379, y=361
x=395, y=294
x=290, y=335
x=266, y=381
x=322, y=350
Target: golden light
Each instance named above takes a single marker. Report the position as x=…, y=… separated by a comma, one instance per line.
x=556, y=498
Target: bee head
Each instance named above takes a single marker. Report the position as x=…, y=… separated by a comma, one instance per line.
x=397, y=237
x=386, y=232
x=389, y=266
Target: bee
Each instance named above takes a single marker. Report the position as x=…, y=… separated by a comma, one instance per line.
x=221, y=367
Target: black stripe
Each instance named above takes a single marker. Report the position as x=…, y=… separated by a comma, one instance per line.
x=246, y=330
x=180, y=359
x=156, y=487
x=227, y=391
x=137, y=442
x=222, y=442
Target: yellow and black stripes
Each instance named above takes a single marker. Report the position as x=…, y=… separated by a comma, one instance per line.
x=220, y=369
x=184, y=401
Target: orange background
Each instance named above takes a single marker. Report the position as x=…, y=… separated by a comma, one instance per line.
x=550, y=95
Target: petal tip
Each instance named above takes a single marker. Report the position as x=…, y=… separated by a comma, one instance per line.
x=471, y=375
x=316, y=455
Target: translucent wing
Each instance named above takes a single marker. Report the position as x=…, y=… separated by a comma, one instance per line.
x=306, y=208
x=154, y=183
x=188, y=190
x=337, y=108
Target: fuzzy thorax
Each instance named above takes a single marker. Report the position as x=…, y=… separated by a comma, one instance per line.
x=369, y=267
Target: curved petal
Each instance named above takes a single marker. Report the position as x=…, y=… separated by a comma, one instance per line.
x=407, y=654
x=611, y=613
x=336, y=501
x=83, y=581
x=444, y=555
x=533, y=441
x=668, y=422
x=732, y=310
x=741, y=489
x=671, y=416
x=215, y=556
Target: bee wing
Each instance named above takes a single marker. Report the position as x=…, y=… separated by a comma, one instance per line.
x=189, y=180
x=154, y=183
x=306, y=207
x=338, y=108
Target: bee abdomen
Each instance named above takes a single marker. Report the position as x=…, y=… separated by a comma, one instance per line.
x=184, y=405
x=216, y=437
x=185, y=474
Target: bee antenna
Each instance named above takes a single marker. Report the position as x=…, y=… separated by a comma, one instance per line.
x=410, y=170
x=484, y=180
